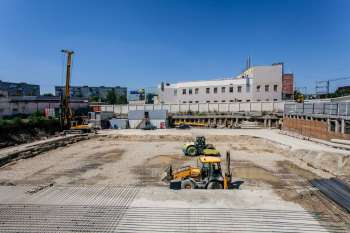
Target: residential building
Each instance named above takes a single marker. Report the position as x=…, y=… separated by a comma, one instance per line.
x=259, y=83
x=12, y=105
x=20, y=89
x=88, y=92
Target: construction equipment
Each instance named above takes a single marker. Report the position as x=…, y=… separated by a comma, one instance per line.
x=68, y=123
x=298, y=97
x=66, y=112
x=208, y=175
x=199, y=147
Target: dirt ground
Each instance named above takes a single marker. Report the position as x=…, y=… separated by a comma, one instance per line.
x=275, y=175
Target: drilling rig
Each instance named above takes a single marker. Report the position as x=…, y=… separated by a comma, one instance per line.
x=66, y=112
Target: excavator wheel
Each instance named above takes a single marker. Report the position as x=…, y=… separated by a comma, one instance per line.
x=191, y=151
x=215, y=185
x=187, y=184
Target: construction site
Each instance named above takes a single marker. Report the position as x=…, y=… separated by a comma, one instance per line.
x=112, y=181
x=206, y=167
x=243, y=153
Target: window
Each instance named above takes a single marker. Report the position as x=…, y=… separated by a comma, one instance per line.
x=223, y=101
x=190, y=102
x=258, y=100
x=275, y=87
x=239, y=89
x=183, y=102
x=267, y=87
x=175, y=92
x=215, y=101
x=239, y=100
x=267, y=99
x=275, y=99
x=184, y=91
x=258, y=88
x=231, y=89
x=248, y=100
x=197, y=102
x=215, y=90
x=223, y=89
x=190, y=91
x=231, y=101
x=208, y=101
x=207, y=90
x=196, y=91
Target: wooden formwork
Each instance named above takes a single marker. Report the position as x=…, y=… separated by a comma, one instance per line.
x=315, y=128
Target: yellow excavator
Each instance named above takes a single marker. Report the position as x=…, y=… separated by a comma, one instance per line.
x=68, y=123
x=207, y=174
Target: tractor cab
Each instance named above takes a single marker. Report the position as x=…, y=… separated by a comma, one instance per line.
x=199, y=147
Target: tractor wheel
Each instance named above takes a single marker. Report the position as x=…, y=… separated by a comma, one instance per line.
x=191, y=151
x=215, y=185
x=187, y=184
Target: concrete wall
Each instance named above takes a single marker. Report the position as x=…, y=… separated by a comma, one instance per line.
x=276, y=107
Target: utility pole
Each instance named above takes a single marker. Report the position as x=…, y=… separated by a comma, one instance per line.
x=66, y=113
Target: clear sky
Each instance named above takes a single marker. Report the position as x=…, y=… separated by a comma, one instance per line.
x=139, y=43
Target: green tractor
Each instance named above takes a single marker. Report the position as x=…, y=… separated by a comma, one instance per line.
x=199, y=147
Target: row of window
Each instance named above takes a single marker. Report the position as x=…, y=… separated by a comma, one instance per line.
x=224, y=101
x=223, y=90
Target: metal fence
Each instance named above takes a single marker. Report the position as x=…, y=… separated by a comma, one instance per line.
x=273, y=107
x=341, y=109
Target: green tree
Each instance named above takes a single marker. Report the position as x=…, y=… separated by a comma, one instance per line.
x=111, y=97
x=122, y=99
x=94, y=98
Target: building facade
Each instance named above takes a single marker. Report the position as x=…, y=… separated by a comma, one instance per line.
x=12, y=105
x=259, y=83
x=20, y=89
x=88, y=92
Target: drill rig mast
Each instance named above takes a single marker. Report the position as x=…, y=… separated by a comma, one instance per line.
x=66, y=112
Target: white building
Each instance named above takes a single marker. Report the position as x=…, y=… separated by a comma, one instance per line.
x=259, y=83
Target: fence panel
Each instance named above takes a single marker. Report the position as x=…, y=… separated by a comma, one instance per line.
x=223, y=107
x=213, y=107
x=194, y=107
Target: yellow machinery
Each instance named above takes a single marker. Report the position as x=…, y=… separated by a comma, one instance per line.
x=68, y=124
x=207, y=175
x=184, y=122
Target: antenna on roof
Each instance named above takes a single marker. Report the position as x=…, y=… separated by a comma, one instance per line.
x=248, y=62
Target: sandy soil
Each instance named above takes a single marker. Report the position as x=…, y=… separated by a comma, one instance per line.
x=275, y=169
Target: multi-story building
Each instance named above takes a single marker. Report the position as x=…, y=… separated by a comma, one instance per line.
x=88, y=92
x=20, y=89
x=259, y=83
x=12, y=105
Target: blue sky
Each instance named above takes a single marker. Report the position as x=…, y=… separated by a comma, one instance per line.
x=139, y=43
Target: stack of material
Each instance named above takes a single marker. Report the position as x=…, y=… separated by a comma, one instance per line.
x=249, y=125
x=334, y=189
